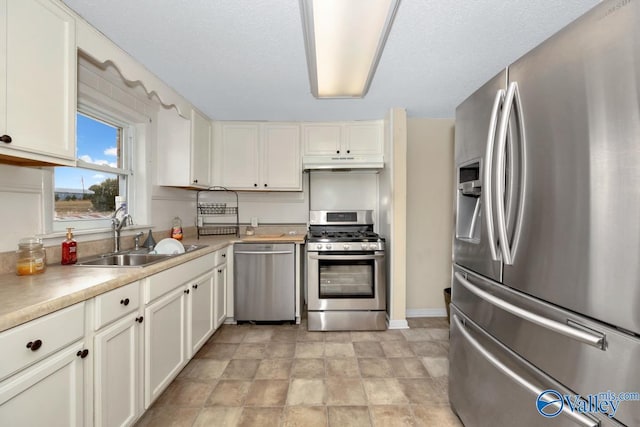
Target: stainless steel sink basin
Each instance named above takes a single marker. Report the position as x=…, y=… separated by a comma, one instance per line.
x=124, y=260
x=132, y=258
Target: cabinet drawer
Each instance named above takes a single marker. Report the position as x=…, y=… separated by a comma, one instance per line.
x=161, y=283
x=116, y=303
x=26, y=344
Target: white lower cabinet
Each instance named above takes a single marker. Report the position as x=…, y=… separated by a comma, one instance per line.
x=201, y=299
x=165, y=342
x=220, y=308
x=43, y=367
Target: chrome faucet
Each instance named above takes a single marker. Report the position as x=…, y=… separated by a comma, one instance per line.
x=117, y=224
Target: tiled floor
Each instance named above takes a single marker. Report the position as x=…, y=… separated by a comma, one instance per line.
x=284, y=375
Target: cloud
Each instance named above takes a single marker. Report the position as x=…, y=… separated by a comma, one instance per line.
x=111, y=151
x=98, y=177
x=101, y=162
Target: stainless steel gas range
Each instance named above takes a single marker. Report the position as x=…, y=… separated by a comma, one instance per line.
x=345, y=272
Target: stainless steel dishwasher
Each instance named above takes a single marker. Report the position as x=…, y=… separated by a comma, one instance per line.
x=264, y=282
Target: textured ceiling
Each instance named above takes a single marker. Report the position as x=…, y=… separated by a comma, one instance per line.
x=245, y=59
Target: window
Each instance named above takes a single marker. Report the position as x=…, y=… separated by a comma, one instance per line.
x=84, y=196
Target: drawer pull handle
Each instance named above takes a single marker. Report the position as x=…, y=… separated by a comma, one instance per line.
x=139, y=319
x=195, y=286
x=34, y=345
x=124, y=301
x=82, y=353
x=5, y=138
x=186, y=291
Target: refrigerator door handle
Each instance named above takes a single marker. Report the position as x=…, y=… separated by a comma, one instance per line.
x=487, y=170
x=576, y=416
x=592, y=338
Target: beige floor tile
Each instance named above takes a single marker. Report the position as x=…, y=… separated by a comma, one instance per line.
x=182, y=392
x=174, y=416
x=267, y=393
x=399, y=348
x=229, y=393
x=303, y=391
x=251, y=351
x=308, y=368
x=229, y=334
x=368, y=349
x=213, y=350
x=338, y=336
x=358, y=336
x=204, y=369
x=241, y=369
x=260, y=417
x=351, y=416
x=384, y=391
x=345, y=392
x=339, y=349
x=390, y=335
x=275, y=369
x=219, y=416
x=305, y=416
x=309, y=349
x=407, y=367
x=392, y=416
x=428, y=322
x=436, y=366
x=281, y=350
x=314, y=336
x=417, y=334
x=423, y=390
x=439, y=334
x=375, y=367
x=343, y=367
x=441, y=416
x=285, y=335
x=258, y=335
x=428, y=349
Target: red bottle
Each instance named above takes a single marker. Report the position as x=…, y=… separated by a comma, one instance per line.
x=69, y=249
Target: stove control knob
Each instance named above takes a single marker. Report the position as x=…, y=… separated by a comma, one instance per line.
x=319, y=246
x=328, y=246
x=364, y=246
x=346, y=247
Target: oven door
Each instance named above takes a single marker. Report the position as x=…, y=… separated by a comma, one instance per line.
x=346, y=281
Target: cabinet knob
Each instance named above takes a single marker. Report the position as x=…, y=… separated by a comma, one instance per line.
x=195, y=286
x=124, y=301
x=5, y=138
x=82, y=353
x=139, y=319
x=34, y=345
x=224, y=255
x=337, y=151
x=219, y=271
x=265, y=185
x=255, y=185
x=195, y=181
x=186, y=291
x=348, y=151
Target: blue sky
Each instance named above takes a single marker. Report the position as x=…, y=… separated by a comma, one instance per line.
x=96, y=143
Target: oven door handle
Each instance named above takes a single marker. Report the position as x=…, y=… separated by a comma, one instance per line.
x=262, y=252
x=346, y=257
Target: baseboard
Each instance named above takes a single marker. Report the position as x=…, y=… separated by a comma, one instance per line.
x=397, y=324
x=426, y=312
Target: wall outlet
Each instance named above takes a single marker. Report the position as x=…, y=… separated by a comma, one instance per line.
x=254, y=221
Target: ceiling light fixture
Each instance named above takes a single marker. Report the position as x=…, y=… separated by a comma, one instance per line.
x=344, y=40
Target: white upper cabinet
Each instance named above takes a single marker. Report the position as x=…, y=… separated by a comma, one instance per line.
x=343, y=144
x=37, y=83
x=258, y=156
x=184, y=149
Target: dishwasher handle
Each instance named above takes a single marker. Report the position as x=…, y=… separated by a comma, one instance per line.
x=262, y=252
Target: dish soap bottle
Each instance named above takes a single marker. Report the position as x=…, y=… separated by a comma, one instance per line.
x=69, y=249
x=176, y=229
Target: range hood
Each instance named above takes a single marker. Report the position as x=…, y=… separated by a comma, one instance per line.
x=342, y=162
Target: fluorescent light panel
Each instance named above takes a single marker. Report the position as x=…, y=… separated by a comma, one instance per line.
x=344, y=40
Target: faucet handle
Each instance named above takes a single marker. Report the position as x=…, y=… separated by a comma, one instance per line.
x=136, y=239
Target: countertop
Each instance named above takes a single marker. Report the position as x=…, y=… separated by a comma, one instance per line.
x=25, y=298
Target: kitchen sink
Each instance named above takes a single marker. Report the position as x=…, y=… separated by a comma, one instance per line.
x=133, y=258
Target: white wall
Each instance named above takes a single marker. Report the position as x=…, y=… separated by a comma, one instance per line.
x=340, y=190
x=429, y=214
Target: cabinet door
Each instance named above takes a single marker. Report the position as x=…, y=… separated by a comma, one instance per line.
x=220, y=298
x=281, y=162
x=117, y=372
x=239, y=162
x=363, y=138
x=201, y=311
x=165, y=342
x=321, y=139
x=40, y=97
x=49, y=393
x=200, y=149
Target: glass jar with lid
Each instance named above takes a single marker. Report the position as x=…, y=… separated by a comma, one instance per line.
x=31, y=258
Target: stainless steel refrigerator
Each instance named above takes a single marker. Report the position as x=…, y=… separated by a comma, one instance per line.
x=545, y=323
